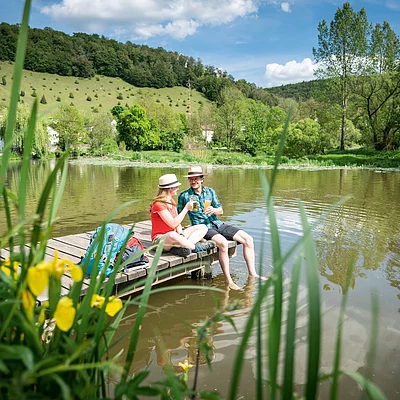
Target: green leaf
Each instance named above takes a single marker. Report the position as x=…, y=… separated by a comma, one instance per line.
x=207, y=395
x=17, y=352
x=373, y=392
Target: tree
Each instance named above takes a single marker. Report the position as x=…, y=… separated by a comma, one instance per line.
x=342, y=48
x=304, y=138
x=134, y=129
x=43, y=100
x=230, y=116
x=101, y=131
x=378, y=90
x=69, y=124
x=40, y=139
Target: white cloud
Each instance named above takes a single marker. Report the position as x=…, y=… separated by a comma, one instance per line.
x=147, y=18
x=285, y=7
x=291, y=72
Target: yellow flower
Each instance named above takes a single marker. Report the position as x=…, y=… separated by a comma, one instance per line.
x=42, y=315
x=74, y=270
x=57, y=267
x=6, y=267
x=185, y=366
x=113, y=306
x=97, y=301
x=28, y=303
x=38, y=278
x=65, y=314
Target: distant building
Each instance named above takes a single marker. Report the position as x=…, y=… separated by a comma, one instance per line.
x=53, y=137
x=208, y=132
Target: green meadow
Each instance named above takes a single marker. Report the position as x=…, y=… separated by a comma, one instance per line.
x=95, y=94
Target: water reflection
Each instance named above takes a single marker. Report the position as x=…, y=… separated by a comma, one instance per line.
x=364, y=231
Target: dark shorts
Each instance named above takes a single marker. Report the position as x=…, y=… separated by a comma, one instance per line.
x=227, y=231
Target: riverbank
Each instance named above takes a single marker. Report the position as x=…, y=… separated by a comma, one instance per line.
x=360, y=158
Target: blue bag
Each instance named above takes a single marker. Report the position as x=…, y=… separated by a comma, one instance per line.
x=114, y=237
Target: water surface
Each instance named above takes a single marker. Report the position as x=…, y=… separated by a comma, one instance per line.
x=365, y=231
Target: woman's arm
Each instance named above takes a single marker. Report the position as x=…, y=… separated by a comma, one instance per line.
x=167, y=217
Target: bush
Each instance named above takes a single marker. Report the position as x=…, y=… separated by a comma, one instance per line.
x=71, y=95
x=88, y=98
x=43, y=100
x=110, y=146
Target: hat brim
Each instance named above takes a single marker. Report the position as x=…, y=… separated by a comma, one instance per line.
x=194, y=175
x=170, y=185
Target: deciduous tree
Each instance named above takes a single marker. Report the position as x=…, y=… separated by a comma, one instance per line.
x=341, y=52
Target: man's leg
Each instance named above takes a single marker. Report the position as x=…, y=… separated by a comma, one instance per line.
x=248, y=250
x=223, y=256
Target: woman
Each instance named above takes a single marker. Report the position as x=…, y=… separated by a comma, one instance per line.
x=166, y=221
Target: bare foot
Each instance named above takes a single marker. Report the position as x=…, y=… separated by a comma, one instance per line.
x=233, y=286
x=264, y=278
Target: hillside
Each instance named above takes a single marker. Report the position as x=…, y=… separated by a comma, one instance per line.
x=299, y=91
x=104, y=92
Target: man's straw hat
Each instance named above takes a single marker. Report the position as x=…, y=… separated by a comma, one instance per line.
x=168, y=181
x=194, y=171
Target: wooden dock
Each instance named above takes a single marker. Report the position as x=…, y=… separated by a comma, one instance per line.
x=72, y=247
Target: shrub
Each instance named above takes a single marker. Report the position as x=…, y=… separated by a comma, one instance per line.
x=71, y=95
x=58, y=99
x=43, y=100
x=88, y=98
x=34, y=94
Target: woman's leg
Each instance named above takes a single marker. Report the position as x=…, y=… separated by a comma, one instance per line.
x=195, y=232
x=175, y=239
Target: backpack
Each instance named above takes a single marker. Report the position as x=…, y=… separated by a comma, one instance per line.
x=134, y=246
x=114, y=237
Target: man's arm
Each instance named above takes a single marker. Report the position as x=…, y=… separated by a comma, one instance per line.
x=181, y=202
x=216, y=206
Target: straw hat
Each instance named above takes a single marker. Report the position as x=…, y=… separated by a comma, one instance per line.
x=168, y=181
x=194, y=171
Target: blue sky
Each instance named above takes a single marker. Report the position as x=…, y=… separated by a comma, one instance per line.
x=267, y=42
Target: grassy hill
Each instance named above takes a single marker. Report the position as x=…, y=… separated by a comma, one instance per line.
x=103, y=92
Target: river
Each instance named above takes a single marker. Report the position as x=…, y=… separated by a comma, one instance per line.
x=365, y=231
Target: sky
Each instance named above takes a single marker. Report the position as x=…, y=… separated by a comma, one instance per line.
x=266, y=42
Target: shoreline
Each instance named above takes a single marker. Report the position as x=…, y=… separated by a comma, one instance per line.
x=144, y=164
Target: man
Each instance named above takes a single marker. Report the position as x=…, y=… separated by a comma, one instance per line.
x=207, y=213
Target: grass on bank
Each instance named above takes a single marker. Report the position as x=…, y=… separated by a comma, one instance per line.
x=349, y=158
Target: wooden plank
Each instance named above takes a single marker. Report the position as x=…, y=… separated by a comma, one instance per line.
x=72, y=247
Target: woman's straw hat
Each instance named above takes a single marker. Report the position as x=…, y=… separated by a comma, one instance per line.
x=195, y=171
x=168, y=181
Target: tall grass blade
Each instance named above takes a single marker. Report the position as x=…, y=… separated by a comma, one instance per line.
x=142, y=309
x=16, y=84
x=338, y=346
x=274, y=328
x=24, y=176
x=281, y=146
x=238, y=363
x=374, y=336
x=288, y=373
x=314, y=319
